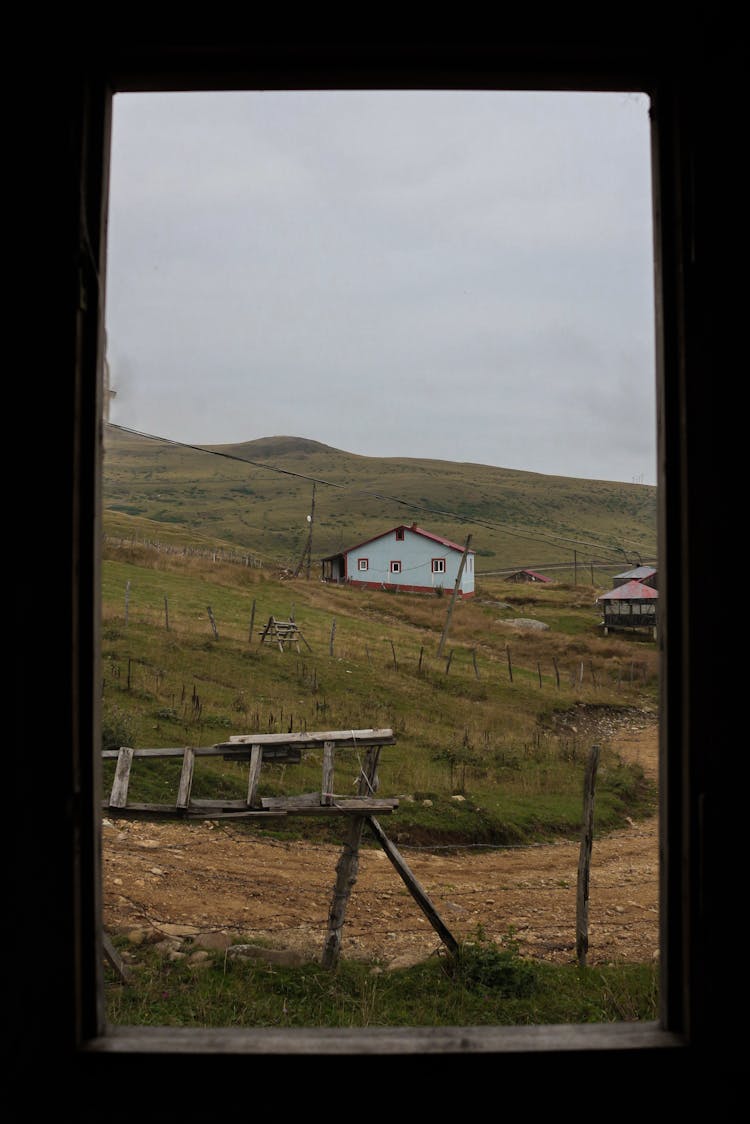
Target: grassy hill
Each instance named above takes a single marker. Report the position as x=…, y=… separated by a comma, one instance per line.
x=254, y=497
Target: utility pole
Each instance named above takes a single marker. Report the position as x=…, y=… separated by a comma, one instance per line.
x=456, y=588
x=307, y=552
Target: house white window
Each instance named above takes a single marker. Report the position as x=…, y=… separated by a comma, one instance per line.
x=363, y=563
x=438, y=565
x=395, y=567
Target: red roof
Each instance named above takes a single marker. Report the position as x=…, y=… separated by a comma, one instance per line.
x=630, y=591
x=406, y=527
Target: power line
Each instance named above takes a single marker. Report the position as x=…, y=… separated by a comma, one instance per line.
x=507, y=528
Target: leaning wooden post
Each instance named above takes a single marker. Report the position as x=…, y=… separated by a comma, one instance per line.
x=252, y=622
x=510, y=665
x=213, y=622
x=127, y=602
x=333, y=634
x=584, y=859
x=456, y=588
x=166, y=614
x=414, y=887
x=348, y=864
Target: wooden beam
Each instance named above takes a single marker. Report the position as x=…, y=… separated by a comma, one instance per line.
x=118, y=797
x=326, y=794
x=358, y=738
x=413, y=886
x=186, y=778
x=256, y=760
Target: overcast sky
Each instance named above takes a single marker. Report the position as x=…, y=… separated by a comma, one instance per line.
x=466, y=276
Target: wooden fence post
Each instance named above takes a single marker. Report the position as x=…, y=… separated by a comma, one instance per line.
x=474, y=661
x=252, y=622
x=127, y=602
x=333, y=634
x=166, y=614
x=557, y=671
x=347, y=867
x=213, y=622
x=584, y=859
x=510, y=666
x=393, y=650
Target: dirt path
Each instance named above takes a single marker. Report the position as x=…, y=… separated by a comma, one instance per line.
x=210, y=883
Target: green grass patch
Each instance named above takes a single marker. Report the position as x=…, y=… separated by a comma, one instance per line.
x=487, y=984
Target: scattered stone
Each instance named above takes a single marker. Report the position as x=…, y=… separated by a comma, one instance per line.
x=218, y=941
x=285, y=958
x=199, y=958
x=458, y=799
x=525, y=622
x=427, y=803
x=405, y=960
x=179, y=930
x=139, y=936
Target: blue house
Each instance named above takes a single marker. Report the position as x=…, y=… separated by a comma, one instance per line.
x=405, y=558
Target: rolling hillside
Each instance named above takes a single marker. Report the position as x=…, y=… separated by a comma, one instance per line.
x=256, y=496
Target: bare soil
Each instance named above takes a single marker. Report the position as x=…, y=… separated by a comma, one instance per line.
x=209, y=884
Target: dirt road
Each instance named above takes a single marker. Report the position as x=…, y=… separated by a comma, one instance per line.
x=209, y=884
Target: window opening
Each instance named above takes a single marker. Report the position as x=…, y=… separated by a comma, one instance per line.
x=173, y=508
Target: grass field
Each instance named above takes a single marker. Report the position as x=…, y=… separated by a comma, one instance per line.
x=481, y=721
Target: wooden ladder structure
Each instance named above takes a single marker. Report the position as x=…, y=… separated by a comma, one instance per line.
x=283, y=632
x=256, y=749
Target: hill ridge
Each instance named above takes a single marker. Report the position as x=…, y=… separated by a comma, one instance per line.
x=242, y=497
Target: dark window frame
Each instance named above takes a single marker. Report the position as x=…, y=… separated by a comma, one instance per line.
x=438, y=565
x=695, y=93
x=395, y=566
x=363, y=564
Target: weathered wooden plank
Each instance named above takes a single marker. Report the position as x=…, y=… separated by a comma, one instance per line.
x=199, y=751
x=118, y=796
x=186, y=778
x=205, y=810
x=307, y=805
x=326, y=792
x=413, y=886
x=256, y=760
x=229, y=752
x=303, y=805
x=114, y=958
x=360, y=738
